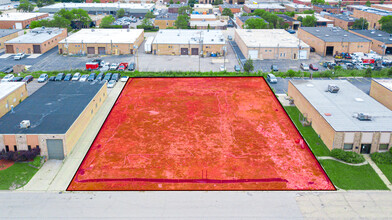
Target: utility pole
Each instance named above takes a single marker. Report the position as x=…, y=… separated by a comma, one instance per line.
x=224, y=57
x=137, y=63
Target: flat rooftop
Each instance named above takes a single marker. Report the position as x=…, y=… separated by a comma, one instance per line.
x=98, y=7
x=214, y=23
x=298, y=6
x=189, y=37
x=168, y=16
x=286, y=17
x=269, y=38
x=376, y=35
x=177, y=5
x=372, y=10
x=125, y=36
x=329, y=1
x=6, y=32
x=225, y=5
x=343, y=106
x=36, y=35
x=387, y=83
x=265, y=6
x=201, y=16
x=203, y=6
x=326, y=6
x=320, y=18
x=244, y=18
x=7, y=88
x=386, y=6
x=52, y=109
x=19, y=16
x=334, y=34
x=343, y=17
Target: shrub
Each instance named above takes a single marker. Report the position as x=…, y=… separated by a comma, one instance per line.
x=384, y=157
x=248, y=66
x=291, y=73
x=36, y=162
x=368, y=72
x=22, y=155
x=347, y=156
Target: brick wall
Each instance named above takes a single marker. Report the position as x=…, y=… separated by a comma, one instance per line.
x=375, y=45
x=12, y=24
x=340, y=23
x=381, y=94
x=163, y=24
x=370, y=17
x=175, y=49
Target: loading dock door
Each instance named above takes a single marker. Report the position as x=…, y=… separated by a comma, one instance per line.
x=329, y=51
x=9, y=49
x=55, y=149
x=101, y=50
x=18, y=26
x=253, y=54
x=36, y=49
x=303, y=54
x=195, y=51
x=90, y=50
x=388, y=50
x=184, y=51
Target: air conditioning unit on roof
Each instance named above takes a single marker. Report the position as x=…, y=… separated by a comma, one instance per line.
x=24, y=124
x=332, y=88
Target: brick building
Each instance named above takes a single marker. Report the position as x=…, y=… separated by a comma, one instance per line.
x=102, y=1
x=348, y=119
x=238, y=2
x=11, y=94
x=233, y=8
x=381, y=41
x=240, y=20
x=381, y=90
x=173, y=8
x=188, y=42
x=37, y=41
x=19, y=20
x=261, y=44
x=203, y=8
x=309, y=2
x=340, y=20
x=102, y=41
x=329, y=41
x=293, y=24
x=387, y=6
x=320, y=21
x=8, y=34
x=372, y=15
x=363, y=2
x=296, y=7
x=326, y=8
x=271, y=7
x=165, y=21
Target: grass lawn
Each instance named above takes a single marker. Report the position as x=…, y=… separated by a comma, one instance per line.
x=386, y=169
x=16, y=176
x=353, y=177
x=315, y=143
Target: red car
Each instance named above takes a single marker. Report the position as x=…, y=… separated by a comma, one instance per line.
x=313, y=67
x=28, y=79
x=92, y=66
x=122, y=66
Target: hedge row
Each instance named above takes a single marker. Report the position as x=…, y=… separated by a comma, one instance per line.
x=23, y=155
x=382, y=157
x=347, y=156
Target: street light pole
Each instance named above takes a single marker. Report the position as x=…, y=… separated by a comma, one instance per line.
x=224, y=57
x=137, y=63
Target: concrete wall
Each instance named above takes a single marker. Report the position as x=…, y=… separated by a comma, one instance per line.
x=375, y=45
x=14, y=98
x=11, y=24
x=370, y=17
x=381, y=94
x=7, y=38
x=175, y=49
x=163, y=24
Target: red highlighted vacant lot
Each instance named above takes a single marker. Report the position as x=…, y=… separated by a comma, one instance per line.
x=199, y=134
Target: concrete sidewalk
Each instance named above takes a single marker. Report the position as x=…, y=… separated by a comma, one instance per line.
x=378, y=171
x=44, y=177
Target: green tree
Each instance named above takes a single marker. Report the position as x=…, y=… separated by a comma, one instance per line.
x=146, y=24
x=368, y=3
x=192, y=3
x=361, y=23
x=120, y=13
x=66, y=14
x=96, y=1
x=171, y=2
x=184, y=10
x=386, y=23
x=227, y=12
x=107, y=21
x=182, y=22
x=248, y=66
x=25, y=6
x=309, y=21
x=82, y=16
x=307, y=12
x=217, y=2
x=318, y=2
x=149, y=15
x=255, y=23
x=368, y=72
x=178, y=2
x=300, y=18
x=60, y=22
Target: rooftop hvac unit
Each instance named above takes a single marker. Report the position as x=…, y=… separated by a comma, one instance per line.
x=332, y=88
x=364, y=117
x=24, y=124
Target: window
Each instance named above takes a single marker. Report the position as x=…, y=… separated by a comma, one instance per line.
x=37, y=146
x=92, y=111
x=29, y=147
x=7, y=148
x=348, y=147
x=96, y=105
x=15, y=148
x=21, y=95
x=383, y=147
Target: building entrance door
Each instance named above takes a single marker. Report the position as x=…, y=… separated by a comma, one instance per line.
x=365, y=148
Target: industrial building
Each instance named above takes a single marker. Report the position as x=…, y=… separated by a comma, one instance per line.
x=240, y=20
x=19, y=20
x=387, y=7
x=173, y=8
x=381, y=41
x=189, y=42
x=101, y=8
x=203, y=8
x=102, y=41
x=309, y=2
x=381, y=90
x=165, y=21
x=261, y=44
x=293, y=24
x=234, y=8
x=271, y=7
x=102, y=1
x=372, y=15
x=208, y=21
x=296, y=7
x=341, y=20
x=53, y=118
x=8, y=34
x=320, y=20
x=37, y=41
x=334, y=9
x=342, y=115
x=11, y=94
x=328, y=41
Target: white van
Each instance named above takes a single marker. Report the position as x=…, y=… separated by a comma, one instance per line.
x=76, y=77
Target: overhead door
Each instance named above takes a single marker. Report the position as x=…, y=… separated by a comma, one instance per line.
x=9, y=49
x=195, y=51
x=101, y=50
x=55, y=149
x=253, y=54
x=90, y=50
x=184, y=51
x=36, y=49
x=303, y=54
x=18, y=26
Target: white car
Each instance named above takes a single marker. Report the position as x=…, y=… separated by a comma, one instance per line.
x=76, y=77
x=304, y=66
x=83, y=78
x=222, y=68
x=19, y=56
x=113, y=66
x=43, y=77
x=124, y=78
x=111, y=83
x=7, y=78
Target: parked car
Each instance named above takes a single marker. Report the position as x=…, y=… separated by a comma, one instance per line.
x=28, y=78
x=42, y=78
x=92, y=66
x=116, y=76
x=83, y=78
x=222, y=68
x=237, y=68
x=274, y=67
x=100, y=76
x=19, y=56
x=99, y=61
x=271, y=78
x=60, y=77
x=122, y=66
x=124, y=78
x=291, y=31
x=108, y=77
x=313, y=67
x=304, y=66
x=131, y=66
x=76, y=77
x=9, y=69
x=52, y=78
x=91, y=77
x=229, y=37
x=68, y=77
x=7, y=78
x=113, y=66
x=105, y=67
x=111, y=83
x=16, y=79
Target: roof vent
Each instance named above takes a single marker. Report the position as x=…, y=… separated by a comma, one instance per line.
x=24, y=124
x=363, y=117
x=372, y=32
x=332, y=88
x=327, y=35
x=380, y=35
x=345, y=35
x=317, y=30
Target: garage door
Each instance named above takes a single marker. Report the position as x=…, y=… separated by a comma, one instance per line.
x=303, y=54
x=36, y=49
x=55, y=149
x=9, y=49
x=184, y=51
x=90, y=50
x=195, y=51
x=253, y=54
x=18, y=26
x=101, y=50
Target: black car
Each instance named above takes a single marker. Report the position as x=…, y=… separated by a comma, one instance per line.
x=100, y=77
x=131, y=67
x=60, y=77
x=52, y=78
x=274, y=67
x=8, y=70
x=16, y=79
x=68, y=77
x=108, y=77
x=91, y=77
x=116, y=76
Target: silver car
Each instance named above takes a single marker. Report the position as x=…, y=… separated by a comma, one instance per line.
x=111, y=83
